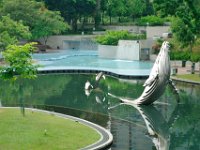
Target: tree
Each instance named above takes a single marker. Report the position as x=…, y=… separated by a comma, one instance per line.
x=136, y=8
x=73, y=10
x=19, y=62
x=116, y=8
x=97, y=15
x=165, y=8
x=12, y=31
x=24, y=10
x=48, y=24
x=19, y=65
x=35, y=15
x=186, y=24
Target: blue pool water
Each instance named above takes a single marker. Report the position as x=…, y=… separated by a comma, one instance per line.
x=89, y=60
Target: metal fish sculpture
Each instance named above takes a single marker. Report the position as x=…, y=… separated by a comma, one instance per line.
x=157, y=81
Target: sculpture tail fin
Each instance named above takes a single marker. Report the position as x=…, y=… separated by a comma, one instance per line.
x=117, y=97
x=123, y=100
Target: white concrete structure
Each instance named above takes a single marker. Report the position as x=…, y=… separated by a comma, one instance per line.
x=107, y=51
x=126, y=50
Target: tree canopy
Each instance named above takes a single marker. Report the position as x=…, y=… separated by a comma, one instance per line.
x=12, y=31
x=19, y=62
x=41, y=22
x=186, y=22
x=78, y=10
x=72, y=10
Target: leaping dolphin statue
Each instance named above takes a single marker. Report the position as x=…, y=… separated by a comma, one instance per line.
x=158, y=79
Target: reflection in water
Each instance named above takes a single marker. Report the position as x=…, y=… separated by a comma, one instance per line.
x=168, y=126
x=156, y=125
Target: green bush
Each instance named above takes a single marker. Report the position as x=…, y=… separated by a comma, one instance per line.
x=195, y=57
x=180, y=55
x=150, y=20
x=112, y=37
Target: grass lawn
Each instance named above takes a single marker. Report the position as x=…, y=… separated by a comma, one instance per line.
x=37, y=130
x=193, y=77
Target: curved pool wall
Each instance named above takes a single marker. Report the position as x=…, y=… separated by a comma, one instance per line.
x=172, y=123
x=83, y=61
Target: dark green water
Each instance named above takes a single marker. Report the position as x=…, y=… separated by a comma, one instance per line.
x=164, y=125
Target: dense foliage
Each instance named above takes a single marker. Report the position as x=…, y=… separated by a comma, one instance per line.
x=186, y=22
x=40, y=21
x=180, y=55
x=112, y=37
x=12, y=31
x=101, y=11
x=150, y=20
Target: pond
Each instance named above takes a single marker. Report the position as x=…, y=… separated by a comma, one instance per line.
x=164, y=125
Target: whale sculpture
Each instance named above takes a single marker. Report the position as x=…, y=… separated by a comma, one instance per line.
x=158, y=79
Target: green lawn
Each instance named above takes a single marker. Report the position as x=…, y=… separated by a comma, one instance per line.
x=193, y=77
x=37, y=130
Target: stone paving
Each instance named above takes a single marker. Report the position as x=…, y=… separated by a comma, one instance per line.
x=186, y=69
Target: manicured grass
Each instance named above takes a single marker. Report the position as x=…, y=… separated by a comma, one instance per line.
x=37, y=130
x=192, y=77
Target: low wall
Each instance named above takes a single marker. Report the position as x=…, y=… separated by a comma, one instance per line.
x=156, y=31
x=84, y=42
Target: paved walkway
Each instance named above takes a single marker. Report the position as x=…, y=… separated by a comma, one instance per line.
x=186, y=69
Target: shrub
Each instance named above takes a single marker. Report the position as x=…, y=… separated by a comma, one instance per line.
x=112, y=37
x=180, y=55
x=195, y=57
x=150, y=20
x=19, y=62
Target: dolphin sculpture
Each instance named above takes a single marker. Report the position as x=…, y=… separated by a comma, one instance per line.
x=158, y=79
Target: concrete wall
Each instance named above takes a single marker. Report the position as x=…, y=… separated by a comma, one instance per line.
x=134, y=29
x=71, y=42
x=156, y=31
